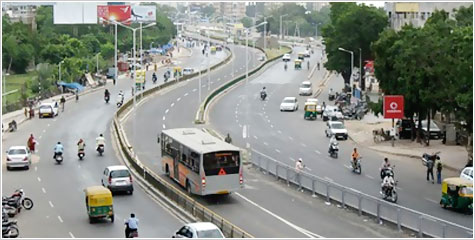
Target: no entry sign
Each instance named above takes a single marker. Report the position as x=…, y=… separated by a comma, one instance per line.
x=393, y=106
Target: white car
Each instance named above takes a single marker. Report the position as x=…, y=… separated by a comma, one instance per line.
x=336, y=129
x=305, y=88
x=18, y=156
x=117, y=178
x=48, y=109
x=286, y=57
x=230, y=40
x=289, y=104
x=332, y=112
x=306, y=53
x=467, y=173
x=188, y=71
x=199, y=230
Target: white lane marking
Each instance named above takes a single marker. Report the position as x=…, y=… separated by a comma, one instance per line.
x=278, y=131
x=60, y=219
x=163, y=118
x=39, y=179
x=166, y=111
x=43, y=189
x=265, y=143
x=173, y=104
x=308, y=168
x=219, y=79
x=194, y=90
x=79, y=166
x=329, y=179
x=431, y=200
x=369, y=176
x=255, y=137
x=291, y=158
x=36, y=168
x=301, y=230
x=163, y=125
x=49, y=125
x=347, y=166
x=318, y=152
x=277, y=150
x=40, y=137
x=303, y=144
x=178, y=99
x=54, y=120
x=236, y=112
x=51, y=204
x=71, y=234
x=398, y=188
x=239, y=125
x=291, y=138
x=272, y=126
x=268, y=121
x=44, y=130
x=186, y=94
x=244, y=131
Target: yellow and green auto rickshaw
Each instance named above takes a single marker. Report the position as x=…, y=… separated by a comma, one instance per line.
x=139, y=79
x=301, y=56
x=99, y=203
x=213, y=49
x=298, y=64
x=457, y=193
x=177, y=71
x=310, y=110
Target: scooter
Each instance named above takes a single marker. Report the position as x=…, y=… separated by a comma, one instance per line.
x=107, y=98
x=357, y=168
x=59, y=158
x=120, y=100
x=389, y=193
x=333, y=151
x=100, y=149
x=263, y=96
x=81, y=154
x=10, y=229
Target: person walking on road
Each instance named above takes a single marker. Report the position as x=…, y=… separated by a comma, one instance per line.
x=63, y=102
x=299, y=166
x=430, y=169
x=31, y=143
x=228, y=139
x=438, y=166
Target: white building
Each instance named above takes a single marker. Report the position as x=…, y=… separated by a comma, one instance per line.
x=416, y=13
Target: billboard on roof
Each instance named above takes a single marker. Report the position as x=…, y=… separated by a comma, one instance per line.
x=75, y=13
x=143, y=13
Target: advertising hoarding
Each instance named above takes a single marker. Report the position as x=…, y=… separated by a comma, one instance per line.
x=75, y=13
x=118, y=13
x=143, y=13
x=393, y=106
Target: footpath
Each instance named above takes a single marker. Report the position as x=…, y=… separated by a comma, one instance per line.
x=20, y=116
x=361, y=132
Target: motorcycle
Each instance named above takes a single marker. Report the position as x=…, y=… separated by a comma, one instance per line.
x=154, y=79
x=81, y=154
x=263, y=96
x=59, y=158
x=100, y=149
x=9, y=210
x=120, y=100
x=10, y=229
x=388, y=171
x=18, y=200
x=333, y=151
x=107, y=98
x=357, y=168
x=285, y=67
x=389, y=193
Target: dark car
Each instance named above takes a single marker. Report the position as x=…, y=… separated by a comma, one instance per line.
x=404, y=128
x=434, y=130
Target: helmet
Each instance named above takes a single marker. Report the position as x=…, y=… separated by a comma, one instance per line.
x=264, y=88
x=100, y=135
x=59, y=142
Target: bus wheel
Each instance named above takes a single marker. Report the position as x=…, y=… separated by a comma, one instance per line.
x=188, y=187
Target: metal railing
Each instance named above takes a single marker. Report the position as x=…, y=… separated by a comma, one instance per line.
x=423, y=224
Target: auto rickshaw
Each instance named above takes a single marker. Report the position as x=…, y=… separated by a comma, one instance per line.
x=139, y=79
x=177, y=71
x=99, y=203
x=298, y=64
x=457, y=193
x=301, y=56
x=310, y=110
x=213, y=49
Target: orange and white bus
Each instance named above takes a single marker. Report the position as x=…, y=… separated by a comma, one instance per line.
x=201, y=163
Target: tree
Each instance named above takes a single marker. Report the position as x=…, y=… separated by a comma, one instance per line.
x=246, y=22
x=107, y=51
x=208, y=10
x=464, y=16
x=352, y=27
x=91, y=43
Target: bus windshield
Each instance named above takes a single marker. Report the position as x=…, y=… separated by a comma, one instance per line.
x=226, y=160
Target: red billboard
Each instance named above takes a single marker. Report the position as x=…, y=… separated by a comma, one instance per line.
x=393, y=106
x=118, y=13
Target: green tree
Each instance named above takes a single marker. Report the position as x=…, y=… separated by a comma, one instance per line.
x=464, y=16
x=107, y=51
x=208, y=10
x=91, y=43
x=246, y=22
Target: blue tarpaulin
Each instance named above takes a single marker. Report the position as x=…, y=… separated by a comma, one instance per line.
x=73, y=85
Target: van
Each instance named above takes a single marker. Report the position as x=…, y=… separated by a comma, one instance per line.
x=117, y=179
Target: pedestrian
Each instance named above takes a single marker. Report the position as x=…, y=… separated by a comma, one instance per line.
x=63, y=102
x=438, y=165
x=228, y=139
x=32, y=112
x=31, y=143
x=298, y=169
x=26, y=112
x=77, y=95
x=430, y=169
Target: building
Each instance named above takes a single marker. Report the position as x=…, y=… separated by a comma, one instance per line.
x=316, y=6
x=23, y=12
x=416, y=13
x=234, y=10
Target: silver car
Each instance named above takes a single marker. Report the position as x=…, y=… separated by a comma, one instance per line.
x=18, y=156
x=199, y=230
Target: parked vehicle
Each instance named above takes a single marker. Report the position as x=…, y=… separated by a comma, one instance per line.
x=434, y=130
x=404, y=128
x=10, y=229
x=467, y=173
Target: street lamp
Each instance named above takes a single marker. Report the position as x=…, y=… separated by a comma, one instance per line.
x=135, y=75
x=350, y=52
x=359, y=70
x=247, y=47
x=97, y=62
x=281, y=37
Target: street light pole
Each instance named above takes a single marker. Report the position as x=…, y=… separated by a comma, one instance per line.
x=265, y=34
x=97, y=63
x=115, y=55
x=209, y=55
x=247, y=48
x=359, y=70
x=351, y=72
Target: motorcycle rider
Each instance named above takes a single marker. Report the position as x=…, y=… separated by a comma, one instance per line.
x=387, y=185
x=285, y=66
x=100, y=141
x=318, y=65
x=384, y=165
x=308, y=65
x=81, y=145
x=120, y=97
x=106, y=94
x=58, y=149
x=131, y=226
x=333, y=141
x=355, y=155
x=263, y=93
x=154, y=77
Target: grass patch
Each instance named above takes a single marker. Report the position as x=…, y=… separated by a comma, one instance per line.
x=14, y=82
x=274, y=52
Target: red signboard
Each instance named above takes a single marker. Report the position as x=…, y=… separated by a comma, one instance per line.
x=393, y=106
x=118, y=13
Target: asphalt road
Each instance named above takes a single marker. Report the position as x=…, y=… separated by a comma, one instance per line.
x=250, y=208
x=286, y=136
x=57, y=190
